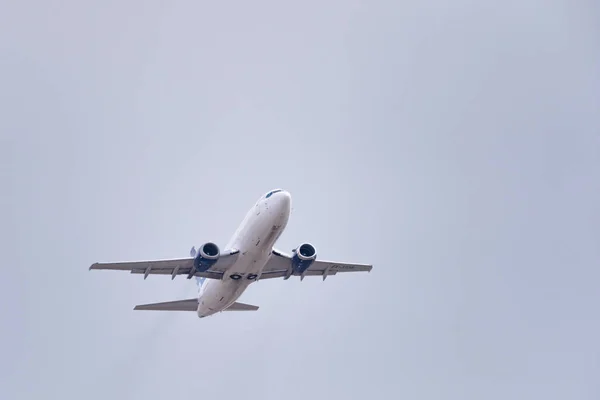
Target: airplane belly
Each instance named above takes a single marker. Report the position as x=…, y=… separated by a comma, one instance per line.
x=255, y=247
x=261, y=230
x=254, y=240
x=220, y=295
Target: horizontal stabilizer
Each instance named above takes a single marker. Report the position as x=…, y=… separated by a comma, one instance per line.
x=179, y=305
x=241, y=307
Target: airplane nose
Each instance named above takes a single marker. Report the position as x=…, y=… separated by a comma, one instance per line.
x=284, y=200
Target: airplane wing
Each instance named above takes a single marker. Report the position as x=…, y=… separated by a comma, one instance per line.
x=280, y=266
x=173, y=267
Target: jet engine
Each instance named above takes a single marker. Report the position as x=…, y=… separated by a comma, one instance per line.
x=303, y=257
x=207, y=256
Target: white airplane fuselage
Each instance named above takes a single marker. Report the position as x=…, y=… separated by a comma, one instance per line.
x=254, y=239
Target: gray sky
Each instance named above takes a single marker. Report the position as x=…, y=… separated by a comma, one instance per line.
x=456, y=147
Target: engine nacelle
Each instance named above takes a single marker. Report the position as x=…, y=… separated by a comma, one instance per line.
x=207, y=256
x=304, y=256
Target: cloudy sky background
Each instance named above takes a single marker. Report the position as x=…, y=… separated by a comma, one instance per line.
x=454, y=146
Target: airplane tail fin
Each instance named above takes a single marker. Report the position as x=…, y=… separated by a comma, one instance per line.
x=199, y=281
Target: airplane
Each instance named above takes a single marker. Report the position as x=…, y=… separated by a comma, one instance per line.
x=250, y=256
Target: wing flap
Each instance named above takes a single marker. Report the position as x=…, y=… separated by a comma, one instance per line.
x=173, y=267
x=280, y=265
x=154, y=264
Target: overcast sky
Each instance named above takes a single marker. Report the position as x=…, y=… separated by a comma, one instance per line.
x=456, y=146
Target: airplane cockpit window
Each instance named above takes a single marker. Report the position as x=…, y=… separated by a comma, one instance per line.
x=272, y=192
